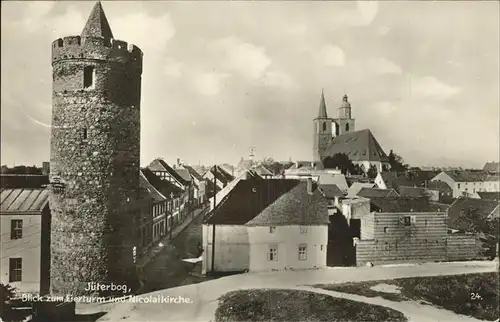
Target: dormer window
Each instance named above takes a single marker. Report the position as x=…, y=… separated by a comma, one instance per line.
x=88, y=77
x=347, y=127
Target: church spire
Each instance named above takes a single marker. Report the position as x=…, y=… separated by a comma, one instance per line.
x=97, y=25
x=322, y=107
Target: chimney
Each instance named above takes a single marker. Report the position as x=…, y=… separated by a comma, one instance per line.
x=309, y=186
x=178, y=162
x=45, y=168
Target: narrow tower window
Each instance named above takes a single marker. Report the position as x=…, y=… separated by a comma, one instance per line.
x=84, y=134
x=347, y=127
x=324, y=126
x=88, y=76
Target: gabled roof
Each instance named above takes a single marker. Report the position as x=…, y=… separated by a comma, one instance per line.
x=228, y=177
x=459, y=210
x=159, y=165
x=330, y=191
x=336, y=179
x=97, y=25
x=492, y=167
x=184, y=173
x=31, y=200
x=401, y=204
x=377, y=193
x=165, y=187
x=227, y=168
x=413, y=192
x=296, y=207
x=193, y=172
x=409, y=178
x=489, y=195
x=23, y=181
x=261, y=170
x=356, y=187
x=470, y=176
x=147, y=187
x=358, y=146
x=440, y=186
x=247, y=199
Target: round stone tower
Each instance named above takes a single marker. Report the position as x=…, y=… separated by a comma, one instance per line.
x=95, y=149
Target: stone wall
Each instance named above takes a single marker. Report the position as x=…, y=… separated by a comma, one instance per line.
x=95, y=151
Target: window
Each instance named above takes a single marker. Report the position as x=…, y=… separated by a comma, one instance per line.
x=84, y=134
x=16, y=229
x=386, y=230
x=321, y=248
x=272, y=229
x=324, y=126
x=15, y=269
x=134, y=254
x=303, y=229
x=302, y=252
x=347, y=127
x=88, y=77
x=458, y=185
x=407, y=221
x=272, y=254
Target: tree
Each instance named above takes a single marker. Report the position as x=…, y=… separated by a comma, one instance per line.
x=397, y=162
x=6, y=309
x=342, y=162
x=372, y=172
x=486, y=229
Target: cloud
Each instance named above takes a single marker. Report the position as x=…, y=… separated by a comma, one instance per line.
x=331, y=55
x=383, y=66
x=246, y=58
x=209, y=84
x=150, y=33
x=430, y=87
x=173, y=67
x=278, y=79
x=367, y=11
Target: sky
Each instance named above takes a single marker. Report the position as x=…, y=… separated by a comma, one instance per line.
x=222, y=77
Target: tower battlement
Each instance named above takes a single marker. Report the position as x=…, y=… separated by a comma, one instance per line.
x=96, y=48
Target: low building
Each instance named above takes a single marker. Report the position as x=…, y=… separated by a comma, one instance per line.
x=25, y=239
x=199, y=185
x=468, y=183
x=415, y=192
x=377, y=193
x=246, y=201
x=356, y=187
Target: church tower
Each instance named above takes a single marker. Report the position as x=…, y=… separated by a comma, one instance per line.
x=95, y=150
x=345, y=123
x=322, y=130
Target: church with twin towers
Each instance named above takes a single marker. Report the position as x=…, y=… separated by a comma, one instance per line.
x=338, y=135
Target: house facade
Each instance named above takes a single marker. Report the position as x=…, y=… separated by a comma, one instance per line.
x=258, y=228
x=466, y=183
x=25, y=239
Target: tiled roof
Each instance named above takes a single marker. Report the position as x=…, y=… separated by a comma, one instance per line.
x=295, y=207
x=247, y=199
x=184, y=173
x=492, y=167
x=152, y=192
x=400, y=204
x=458, y=212
x=23, y=181
x=163, y=186
x=261, y=170
x=228, y=177
x=470, y=176
x=97, y=25
x=489, y=195
x=357, y=186
x=159, y=165
x=330, y=191
x=336, y=179
x=440, y=186
x=409, y=178
x=358, y=146
x=438, y=206
x=228, y=168
x=414, y=192
x=377, y=193
x=193, y=172
x=31, y=200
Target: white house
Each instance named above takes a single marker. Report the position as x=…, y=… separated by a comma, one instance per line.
x=467, y=183
x=291, y=233
x=283, y=221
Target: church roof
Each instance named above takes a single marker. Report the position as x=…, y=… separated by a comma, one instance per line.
x=322, y=107
x=359, y=146
x=97, y=25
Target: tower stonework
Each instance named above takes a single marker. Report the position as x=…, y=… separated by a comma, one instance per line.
x=95, y=151
x=322, y=136
x=345, y=122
